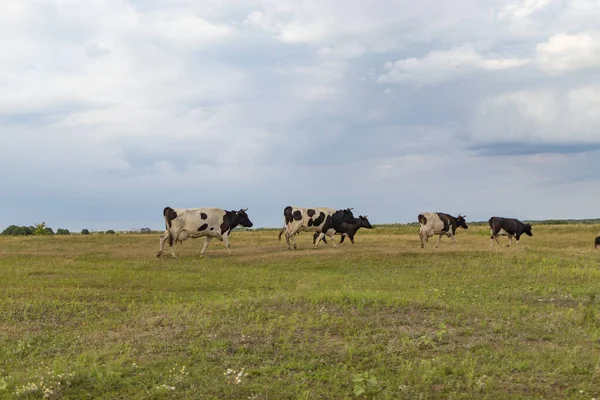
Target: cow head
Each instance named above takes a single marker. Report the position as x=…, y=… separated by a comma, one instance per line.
x=527, y=229
x=243, y=219
x=461, y=221
x=364, y=222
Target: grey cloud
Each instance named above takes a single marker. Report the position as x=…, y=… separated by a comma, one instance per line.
x=520, y=148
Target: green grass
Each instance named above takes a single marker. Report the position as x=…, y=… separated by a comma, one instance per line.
x=100, y=317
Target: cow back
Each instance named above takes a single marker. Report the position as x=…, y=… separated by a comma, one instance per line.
x=307, y=218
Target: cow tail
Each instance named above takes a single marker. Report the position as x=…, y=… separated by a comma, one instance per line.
x=288, y=214
x=168, y=214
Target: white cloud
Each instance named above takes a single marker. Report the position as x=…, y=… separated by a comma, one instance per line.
x=569, y=52
x=342, y=52
x=184, y=27
x=519, y=13
x=439, y=66
x=378, y=27
x=547, y=116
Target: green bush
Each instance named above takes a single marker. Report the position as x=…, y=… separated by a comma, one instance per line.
x=42, y=229
x=61, y=231
x=85, y=232
x=110, y=232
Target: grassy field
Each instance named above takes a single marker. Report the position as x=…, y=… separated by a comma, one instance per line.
x=100, y=317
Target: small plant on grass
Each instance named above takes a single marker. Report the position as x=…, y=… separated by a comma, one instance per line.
x=366, y=385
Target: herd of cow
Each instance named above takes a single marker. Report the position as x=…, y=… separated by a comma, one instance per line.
x=187, y=223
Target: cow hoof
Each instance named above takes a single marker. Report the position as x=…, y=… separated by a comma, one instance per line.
x=158, y=254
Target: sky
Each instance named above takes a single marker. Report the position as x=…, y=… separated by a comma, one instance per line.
x=111, y=110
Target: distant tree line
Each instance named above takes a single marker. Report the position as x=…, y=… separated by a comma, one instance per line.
x=42, y=229
x=36, y=230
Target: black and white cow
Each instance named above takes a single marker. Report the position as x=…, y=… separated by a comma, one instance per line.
x=436, y=223
x=190, y=223
x=298, y=219
x=346, y=229
x=597, y=242
x=510, y=227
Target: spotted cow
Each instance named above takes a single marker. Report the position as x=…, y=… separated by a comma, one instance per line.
x=436, y=223
x=597, y=242
x=510, y=227
x=298, y=219
x=189, y=223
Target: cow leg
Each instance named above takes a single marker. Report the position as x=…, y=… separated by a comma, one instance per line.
x=509, y=241
x=227, y=245
x=494, y=237
x=423, y=238
x=290, y=234
x=206, y=243
x=343, y=237
x=321, y=236
x=161, y=245
x=351, y=237
x=316, y=235
x=439, y=239
x=287, y=239
x=332, y=236
x=293, y=241
x=453, y=239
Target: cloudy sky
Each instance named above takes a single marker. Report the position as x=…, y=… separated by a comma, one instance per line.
x=111, y=110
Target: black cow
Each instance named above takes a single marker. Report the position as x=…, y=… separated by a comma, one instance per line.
x=597, y=242
x=510, y=227
x=346, y=229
